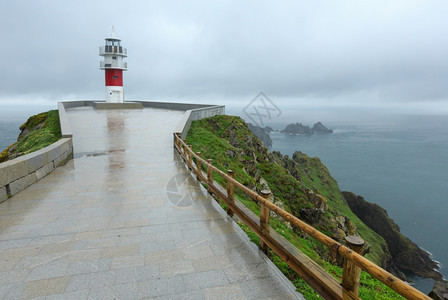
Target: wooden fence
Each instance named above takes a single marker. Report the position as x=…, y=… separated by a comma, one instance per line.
x=325, y=284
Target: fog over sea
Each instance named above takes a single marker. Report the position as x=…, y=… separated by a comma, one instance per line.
x=398, y=160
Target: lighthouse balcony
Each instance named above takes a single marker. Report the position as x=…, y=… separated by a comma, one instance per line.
x=106, y=65
x=116, y=50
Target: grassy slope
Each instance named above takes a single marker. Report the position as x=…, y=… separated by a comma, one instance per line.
x=212, y=138
x=40, y=138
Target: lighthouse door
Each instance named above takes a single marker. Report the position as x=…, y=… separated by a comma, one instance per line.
x=116, y=96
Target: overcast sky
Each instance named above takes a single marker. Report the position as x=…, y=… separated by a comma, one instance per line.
x=365, y=53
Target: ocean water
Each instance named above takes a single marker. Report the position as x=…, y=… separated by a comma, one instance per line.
x=9, y=130
x=399, y=162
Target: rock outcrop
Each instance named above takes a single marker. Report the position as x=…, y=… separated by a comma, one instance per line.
x=406, y=255
x=261, y=133
x=299, y=128
x=320, y=128
x=439, y=291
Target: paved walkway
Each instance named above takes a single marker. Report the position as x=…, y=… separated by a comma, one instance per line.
x=124, y=220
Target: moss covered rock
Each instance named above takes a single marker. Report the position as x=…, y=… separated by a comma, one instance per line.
x=38, y=132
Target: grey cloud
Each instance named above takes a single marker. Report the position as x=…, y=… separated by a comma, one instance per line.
x=384, y=50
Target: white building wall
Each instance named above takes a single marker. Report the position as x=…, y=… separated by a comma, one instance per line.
x=114, y=94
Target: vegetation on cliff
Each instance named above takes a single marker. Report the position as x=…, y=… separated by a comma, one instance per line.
x=37, y=132
x=301, y=185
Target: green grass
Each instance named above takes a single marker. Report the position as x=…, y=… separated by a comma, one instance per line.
x=231, y=145
x=37, y=138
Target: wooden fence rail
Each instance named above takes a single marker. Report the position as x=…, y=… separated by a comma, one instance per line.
x=326, y=285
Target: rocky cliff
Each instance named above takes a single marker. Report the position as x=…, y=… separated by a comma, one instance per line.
x=300, y=184
x=261, y=133
x=406, y=255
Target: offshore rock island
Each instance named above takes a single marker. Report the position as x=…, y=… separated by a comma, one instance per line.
x=300, y=129
x=292, y=129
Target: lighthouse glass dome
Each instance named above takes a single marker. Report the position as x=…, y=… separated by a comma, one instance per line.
x=113, y=42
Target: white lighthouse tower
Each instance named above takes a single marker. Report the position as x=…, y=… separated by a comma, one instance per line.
x=114, y=66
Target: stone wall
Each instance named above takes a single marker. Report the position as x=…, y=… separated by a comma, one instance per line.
x=19, y=173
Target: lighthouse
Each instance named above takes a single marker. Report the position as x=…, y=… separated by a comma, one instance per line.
x=114, y=66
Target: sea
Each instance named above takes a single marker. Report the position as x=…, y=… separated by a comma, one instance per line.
x=397, y=160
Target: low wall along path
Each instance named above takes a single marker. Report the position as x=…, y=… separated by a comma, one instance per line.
x=125, y=219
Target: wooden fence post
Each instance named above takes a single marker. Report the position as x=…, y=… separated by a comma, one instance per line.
x=352, y=273
x=209, y=175
x=198, y=166
x=190, y=156
x=230, y=192
x=184, y=149
x=264, y=219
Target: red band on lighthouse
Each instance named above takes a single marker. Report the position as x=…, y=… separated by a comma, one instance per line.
x=114, y=77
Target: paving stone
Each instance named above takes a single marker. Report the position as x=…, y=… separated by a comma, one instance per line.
x=89, y=266
x=50, y=270
x=136, y=274
x=225, y=292
x=88, y=235
x=80, y=255
x=120, y=251
x=161, y=287
x=206, y=279
x=4, y=289
x=211, y=263
x=191, y=295
x=75, y=295
x=157, y=247
x=15, y=243
x=153, y=258
x=46, y=286
x=117, y=291
x=249, y=272
x=16, y=291
x=264, y=288
x=196, y=252
x=127, y=261
x=175, y=268
x=91, y=280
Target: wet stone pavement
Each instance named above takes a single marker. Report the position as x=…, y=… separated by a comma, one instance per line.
x=125, y=220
